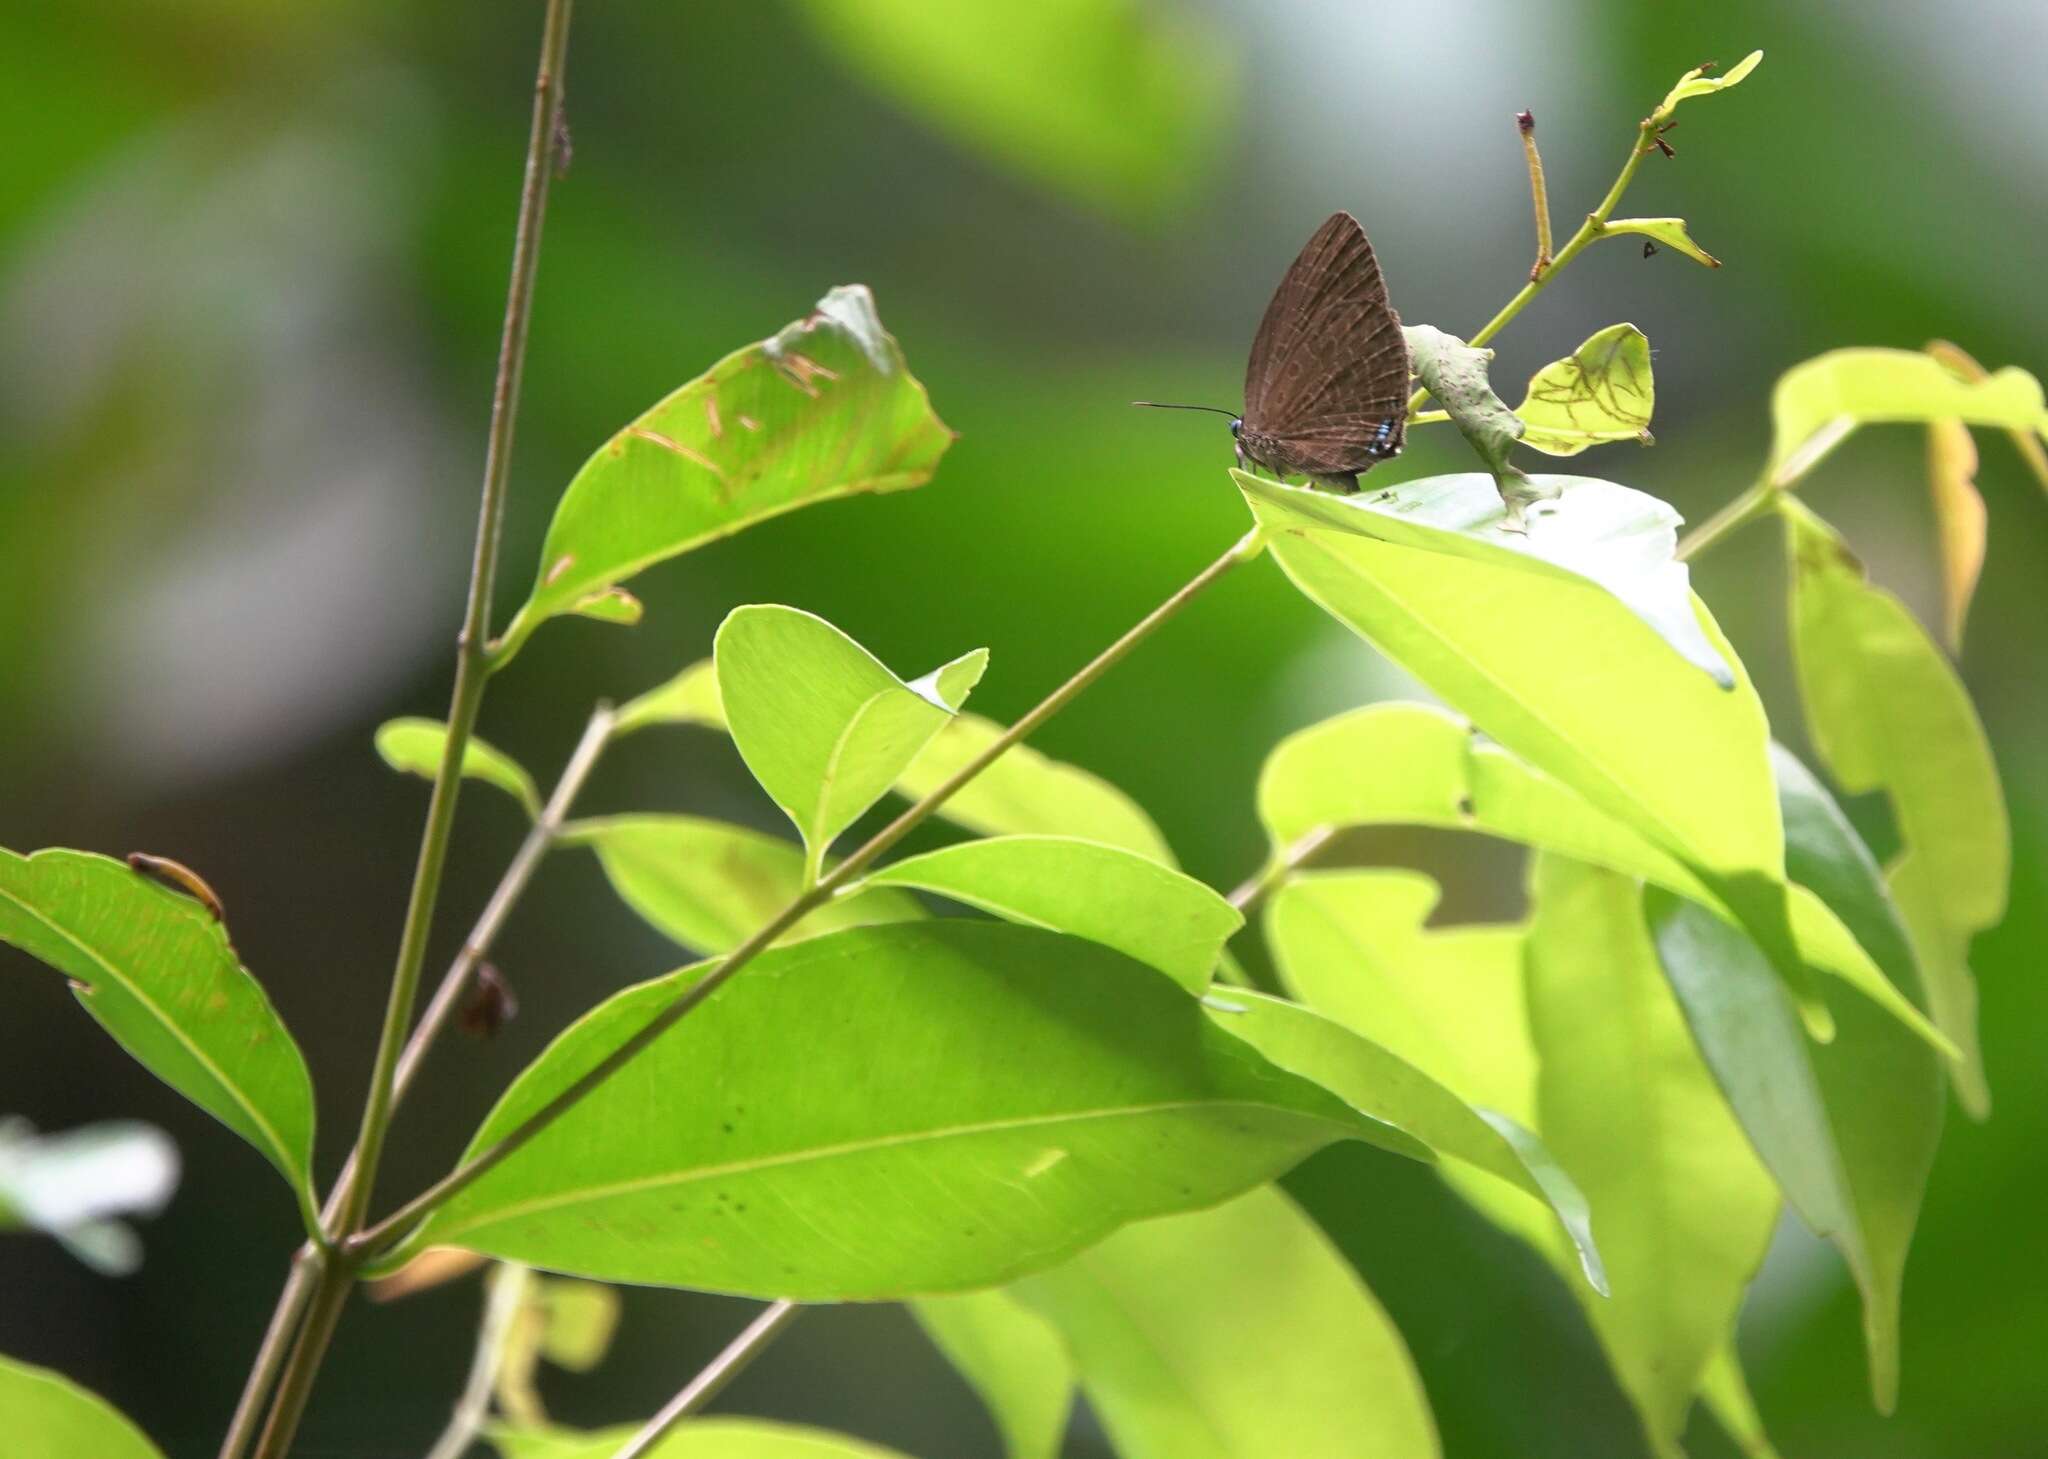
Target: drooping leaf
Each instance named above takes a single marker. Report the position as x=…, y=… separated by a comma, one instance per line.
x=1118, y=898
x=157, y=972
x=2025, y=440
x=1013, y=1358
x=703, y=1438
x=823, y=725
x=1816, y=404
x=1671, y=232
x=1327, y=777
x=1699, y=82
x=1455, y=373
x=1602, y=391
x=72, y=1186
x=1882, y=1086
x=973, y=1100
x=1235, y=1333
x=1887, y=712
x=1959, y=521
x=710, y=885
x=1114, y=102
x=1726, y=1395
x=1683, y=1208
x=1022, y=793
x=1384, y=1087
x=50, y=1417
x=414, y=747
x=823, y=409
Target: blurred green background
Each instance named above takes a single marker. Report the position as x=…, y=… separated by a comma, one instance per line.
x=252, y=259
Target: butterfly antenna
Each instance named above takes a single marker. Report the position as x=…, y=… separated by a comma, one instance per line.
x=1166, y=405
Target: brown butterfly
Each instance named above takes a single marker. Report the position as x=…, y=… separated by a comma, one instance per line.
x=1326, y=388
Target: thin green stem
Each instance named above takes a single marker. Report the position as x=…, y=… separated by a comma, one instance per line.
x=388, y=1232
x=277, y=1341
x=721, y=1370
x=350, y=1199
x=1594, y=227
x=1759, y=499
x=1268, y=880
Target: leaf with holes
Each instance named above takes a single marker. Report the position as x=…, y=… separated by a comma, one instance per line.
x=824, y=409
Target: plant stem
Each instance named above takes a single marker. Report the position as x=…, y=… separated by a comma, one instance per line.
x=1759, y=499
x=392, y=1228
x=277, y=1339
x=322, y=1309
x=1594, y=226
x=505, y=1293
x=1264, y=883
x=722, y=1369
x=1539, y=194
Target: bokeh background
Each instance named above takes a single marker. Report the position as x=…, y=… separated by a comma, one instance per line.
x=252, y=258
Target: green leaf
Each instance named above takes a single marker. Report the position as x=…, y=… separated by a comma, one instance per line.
x=50, y=1417
x=1022, y=793
x=1887, y=712
x=610, y=605
x=1013, y=1358
x=709, y=886
x=1115, y=102
x=1456, y=374
x=580, y=1319
x=1236, y=1333
x=826, y=408
x=973, y=1100
x=414, y=747
x=1601, y=392
x=1316, y=781
x=1671, y=232
x=71, y=1185
x=1846, y=1130
x=1697, y=82
x=1026, y=793
x=823, y=725
x=691, y=697
x=1118, y=898
x=1386, y=1088
x=157, y=972
x=1816, y=404
x=704, y=1438
x=1726, y=1395
x=1684, y=1210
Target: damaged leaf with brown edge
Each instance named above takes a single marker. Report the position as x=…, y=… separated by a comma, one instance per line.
x=826, y=408
x=1602, y=391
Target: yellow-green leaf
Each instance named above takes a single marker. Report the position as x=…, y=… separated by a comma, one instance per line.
x=414, y=746
x=1959, y=521
x=47, y=1416
x=1671, y=232
x=1013, y=1358
x=1601, y=392
x=1699, y=82
x=826, y=408
x=1815, y=405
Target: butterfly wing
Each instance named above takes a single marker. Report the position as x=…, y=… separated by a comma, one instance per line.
x=1326, y=388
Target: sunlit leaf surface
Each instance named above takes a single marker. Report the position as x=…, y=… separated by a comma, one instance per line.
x=414, y=746
x=823, y=409
x=1602, y=391
x=1118, y=898
x=973, y=1101
x=1013, y=1358
x=824, y=726
x=1671, y=232
x=1816, y=404
x=1235, y=1333
x=710, y=885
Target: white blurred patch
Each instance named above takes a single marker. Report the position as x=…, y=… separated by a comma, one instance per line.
x=70, y=1186
x=214, y=326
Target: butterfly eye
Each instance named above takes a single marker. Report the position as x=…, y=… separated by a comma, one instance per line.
x=1236, y=424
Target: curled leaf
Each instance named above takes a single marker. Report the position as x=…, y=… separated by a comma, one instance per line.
x=1455, y=373
x=1697, y=82
x=413, y=747
x=1601, y=392
x=1671, y=232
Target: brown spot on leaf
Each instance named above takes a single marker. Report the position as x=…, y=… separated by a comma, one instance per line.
x=800, y=370
x=750, y=423
x=562, y=564
x=711, y=418
x=669, y=443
